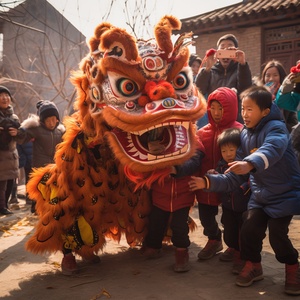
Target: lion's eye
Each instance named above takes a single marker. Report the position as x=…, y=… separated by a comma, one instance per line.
x=126, y=87
x=95, y=93
x=181, y=81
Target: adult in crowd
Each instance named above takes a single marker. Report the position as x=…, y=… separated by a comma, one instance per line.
x=9, y=163
x=225, y=72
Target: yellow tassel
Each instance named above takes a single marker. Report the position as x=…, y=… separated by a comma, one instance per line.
x=86, y=231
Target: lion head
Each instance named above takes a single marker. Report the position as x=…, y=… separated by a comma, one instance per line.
x=143, y=92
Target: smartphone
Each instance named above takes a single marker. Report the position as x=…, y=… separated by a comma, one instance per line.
x=224, y=53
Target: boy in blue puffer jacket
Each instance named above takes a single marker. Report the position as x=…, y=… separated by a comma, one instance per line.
x=275, y=185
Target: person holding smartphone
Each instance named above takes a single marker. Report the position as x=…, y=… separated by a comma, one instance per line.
x=225, y=70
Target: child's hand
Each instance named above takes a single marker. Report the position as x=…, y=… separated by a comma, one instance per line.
x=239, y=167
x=197, y=183
x=12, y=131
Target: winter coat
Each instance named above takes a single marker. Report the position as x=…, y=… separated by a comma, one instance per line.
x=275, y=179
x=208, y=136
x=234, y=76
x=238, y=199
x=9, y=159
x=289, y=101
x=44, y=140
x=174, y=193
x=25, y=155
x=295, y=138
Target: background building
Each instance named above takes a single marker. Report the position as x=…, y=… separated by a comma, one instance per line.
x=39, y=49
x=265, y=29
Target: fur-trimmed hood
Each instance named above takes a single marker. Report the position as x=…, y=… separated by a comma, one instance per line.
x=32, y=121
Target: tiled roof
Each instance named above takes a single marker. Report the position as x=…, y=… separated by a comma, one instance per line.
x=242, y=14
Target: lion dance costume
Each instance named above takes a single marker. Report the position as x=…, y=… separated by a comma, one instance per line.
x=135, y=116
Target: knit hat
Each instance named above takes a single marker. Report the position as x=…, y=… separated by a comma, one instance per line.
x=228, y=36
x=4, y=89
x=46, y=109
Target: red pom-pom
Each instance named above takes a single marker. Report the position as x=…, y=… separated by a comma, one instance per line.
x=210, y=52
x=295, y=69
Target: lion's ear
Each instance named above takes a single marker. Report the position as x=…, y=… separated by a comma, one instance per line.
x=163, y=33
x=94, y=41
x=118, y=43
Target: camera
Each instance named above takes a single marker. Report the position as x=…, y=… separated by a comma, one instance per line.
x=5, y=137
x=224, y=53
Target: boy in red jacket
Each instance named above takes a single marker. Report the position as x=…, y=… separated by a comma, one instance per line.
x=222, y=110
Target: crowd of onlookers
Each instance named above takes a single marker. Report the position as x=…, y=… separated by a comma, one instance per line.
x=24, y=146
x=249, y=167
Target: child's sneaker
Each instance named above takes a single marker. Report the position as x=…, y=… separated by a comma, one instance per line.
x=211, y=248
x=250, y=273
x=150, y=253
x=68, y=264
x=292, y=279
x=181, y=260
x=227, y=255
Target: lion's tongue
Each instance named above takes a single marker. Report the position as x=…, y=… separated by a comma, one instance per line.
x=155, y=144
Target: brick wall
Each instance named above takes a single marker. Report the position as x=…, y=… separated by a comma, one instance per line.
x=250, y=40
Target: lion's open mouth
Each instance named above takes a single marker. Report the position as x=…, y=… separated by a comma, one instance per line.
x=164, y=141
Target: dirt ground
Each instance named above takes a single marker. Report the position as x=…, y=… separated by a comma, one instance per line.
x=123, y=273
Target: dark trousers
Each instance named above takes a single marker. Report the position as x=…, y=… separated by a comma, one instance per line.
x=3, y=187
x=207, y=216
x=232, y=223
x=253, y=231
x=9, y=188
x=158, y=223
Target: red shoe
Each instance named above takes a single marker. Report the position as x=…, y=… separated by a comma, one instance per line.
x=211, y=248
x=181, y=260
x=68, y=264
x=250, y=273
x=238, y=263
x=150, y=253
x=292, y=279
x=227, y=255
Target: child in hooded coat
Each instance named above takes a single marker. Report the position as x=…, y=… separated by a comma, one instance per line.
x=222, y=110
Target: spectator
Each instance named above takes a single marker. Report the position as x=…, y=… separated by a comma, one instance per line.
x=9, y=166
x=172, y=200
x=222, y=110
x=225, y=72
x=275, y=184
x=272, y=77
x=46, y=131
x=195, y=63
x=288, y=95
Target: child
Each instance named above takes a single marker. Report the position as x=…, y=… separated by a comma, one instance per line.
x=233, y=204
x=222, y=110
x=272, y=77
x=275, y=186
x=288, y=96
x=46, y=131
x=195, y=63
x=172, y=198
